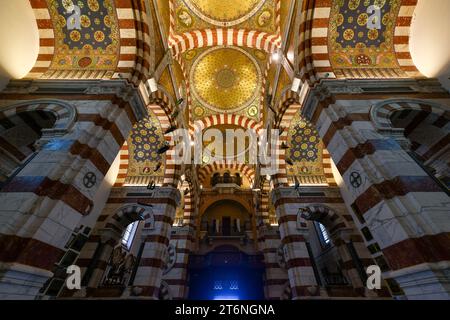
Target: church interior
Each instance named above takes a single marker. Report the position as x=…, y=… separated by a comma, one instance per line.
x=225, y=150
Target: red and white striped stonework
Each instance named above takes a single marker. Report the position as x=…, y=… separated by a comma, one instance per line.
x=134, y=56
x=208, y=170
x=46, y=39
x=401, y=38
x=156, y=240
x=313, y=60
x=50, y=187
x=394, y=190
x=223, y=37
x=232, y=119
x=96, y=253
x=298, y=262
x=275, y=276
x=180, y=43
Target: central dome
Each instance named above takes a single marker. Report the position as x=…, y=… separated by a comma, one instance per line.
x=225, y=79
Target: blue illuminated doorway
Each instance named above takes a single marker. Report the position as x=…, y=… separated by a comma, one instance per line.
x=226, y=274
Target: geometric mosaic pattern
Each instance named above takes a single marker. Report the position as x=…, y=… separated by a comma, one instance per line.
x=145, y=139
x=86, y=34
x=354, y=41
x=305, y=149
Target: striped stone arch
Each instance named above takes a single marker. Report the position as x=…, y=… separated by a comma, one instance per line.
x=288, y=106
x=127, y=214
x=312, y=51
x=381, y=113
x=172, y=171
x=134, y=59
x=401, y=38
x=232, y=119
x=64, y=113
x=46, y=39
x=332, y=220
x=223, y=37
x=135, y=51
x=208, y=170
x=180, y=43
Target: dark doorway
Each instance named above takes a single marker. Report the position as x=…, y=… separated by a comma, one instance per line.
x=226, y=226
x=226, y=274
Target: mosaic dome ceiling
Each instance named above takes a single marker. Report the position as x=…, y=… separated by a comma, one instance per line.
x=356, y=40
x=145, y=139
x=305, y=150
x=86, y=35
x=224, y=13
x=226, y=79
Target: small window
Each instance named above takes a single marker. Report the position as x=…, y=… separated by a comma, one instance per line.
x=323, y=234
x=128, y=235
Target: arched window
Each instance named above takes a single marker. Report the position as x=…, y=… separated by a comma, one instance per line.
x=323, y=234
x=128, y=235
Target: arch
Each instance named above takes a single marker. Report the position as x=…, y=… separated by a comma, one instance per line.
x=224, y=37
x=228, y=197
x=46, y=39
x=64, y=113
x=381, y=112
x=129, y=213
x=180, y=43
x=206, y=171
x=327, y=216
x=232, y=119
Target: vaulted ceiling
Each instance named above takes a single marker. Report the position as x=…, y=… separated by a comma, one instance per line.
x=218, y=58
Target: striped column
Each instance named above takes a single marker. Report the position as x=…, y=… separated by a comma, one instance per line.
x=298, y=262
x=404, y=208
x=156, y=239
x=44, y=203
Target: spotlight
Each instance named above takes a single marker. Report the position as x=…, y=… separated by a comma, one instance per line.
x=163, y=149
x=152, y=85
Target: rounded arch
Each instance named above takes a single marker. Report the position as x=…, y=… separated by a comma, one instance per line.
x=225, y=197
x=64, y=113
x=206, y=171
x=224, y=37
x=232, y=119
x=327, y=216
x=130, y=213
x=381, y=113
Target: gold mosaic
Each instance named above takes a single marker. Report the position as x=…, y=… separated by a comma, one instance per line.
x=225, y=79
